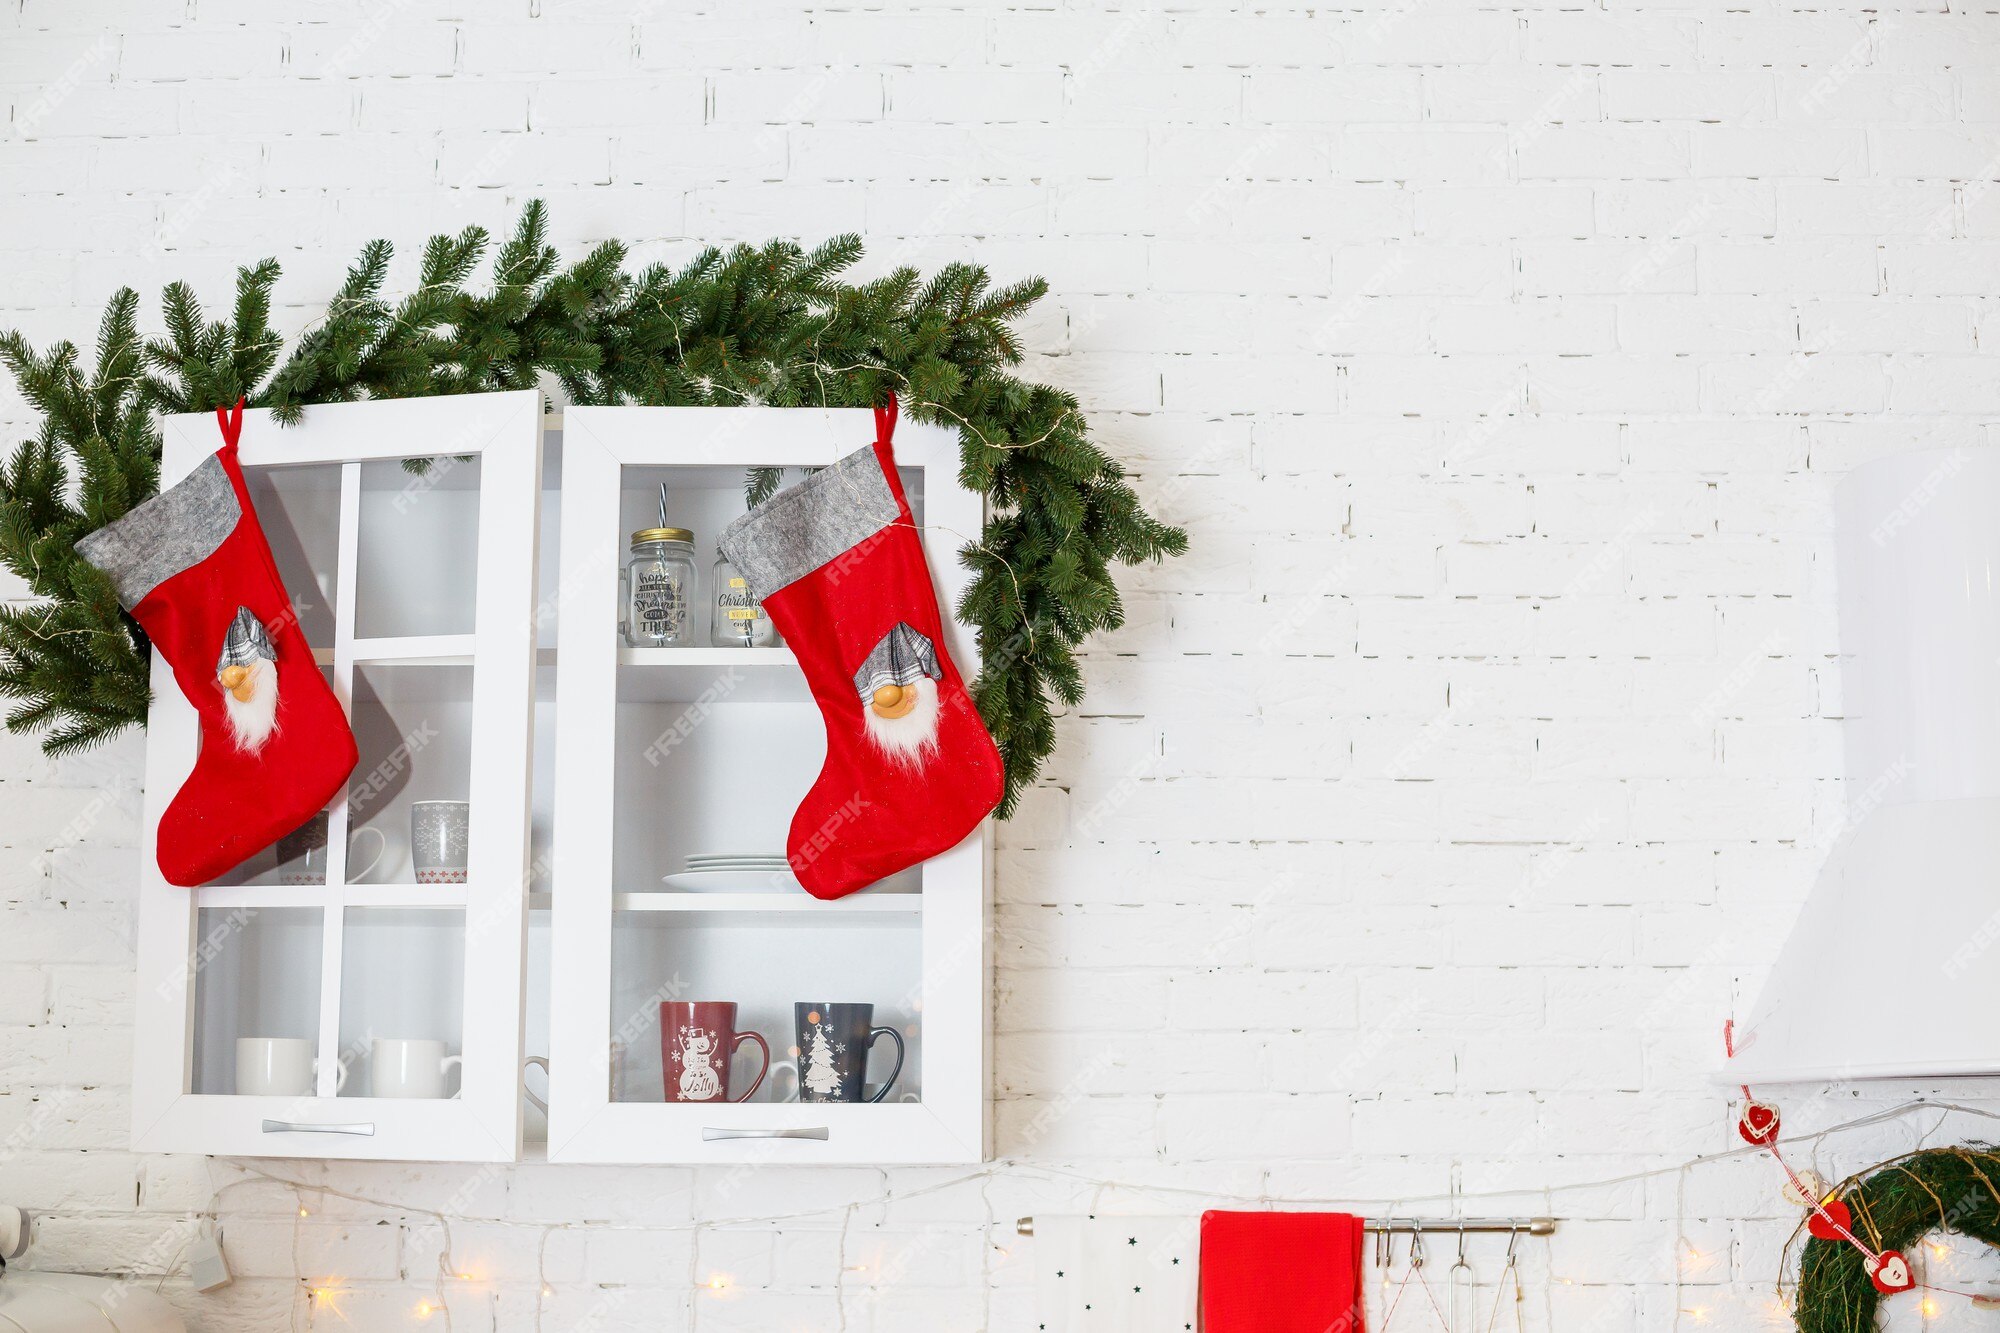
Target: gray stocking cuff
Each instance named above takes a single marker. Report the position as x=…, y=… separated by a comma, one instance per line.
x=175, y=530
x=805, y=526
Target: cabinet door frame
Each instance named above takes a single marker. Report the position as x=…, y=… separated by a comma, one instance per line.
x=950, y=1124
x=483, y=1123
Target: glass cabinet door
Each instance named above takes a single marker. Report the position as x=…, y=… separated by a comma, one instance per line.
x=704, y=1007
x=355, y=989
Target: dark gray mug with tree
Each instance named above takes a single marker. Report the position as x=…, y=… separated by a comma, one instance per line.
x=834, y=1042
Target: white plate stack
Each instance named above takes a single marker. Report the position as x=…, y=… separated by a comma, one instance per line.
x=734, y=872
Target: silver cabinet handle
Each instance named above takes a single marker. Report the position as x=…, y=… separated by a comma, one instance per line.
x=295, y=1127
x=709, y=1133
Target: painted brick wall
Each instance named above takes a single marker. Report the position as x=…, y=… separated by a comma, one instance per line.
x=1421, y=827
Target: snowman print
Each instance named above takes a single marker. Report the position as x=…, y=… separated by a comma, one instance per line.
x=699, y=1082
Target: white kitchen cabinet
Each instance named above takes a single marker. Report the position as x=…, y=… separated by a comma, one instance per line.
x=666, y=752
x=591, y=770
x=417, y=592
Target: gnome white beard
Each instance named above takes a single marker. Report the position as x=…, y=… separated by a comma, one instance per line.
x=252, y=720
x=911, y=737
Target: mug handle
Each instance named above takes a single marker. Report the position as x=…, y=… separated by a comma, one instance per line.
x=528, y=1092
x=762, y=1069
x=381, y=845
x=890, y=1081
x=784, y=1067
x=444, y=1067
x=340, y=1075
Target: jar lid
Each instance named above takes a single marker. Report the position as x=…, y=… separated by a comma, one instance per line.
x=662, y=535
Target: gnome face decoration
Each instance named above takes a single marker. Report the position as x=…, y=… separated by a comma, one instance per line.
x=898, y=686
x=247, y=671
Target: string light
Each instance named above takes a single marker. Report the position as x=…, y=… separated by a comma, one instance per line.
x=426, y=1309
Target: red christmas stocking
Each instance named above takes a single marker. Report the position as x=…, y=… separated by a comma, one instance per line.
x=910, y=768
x=192, y=566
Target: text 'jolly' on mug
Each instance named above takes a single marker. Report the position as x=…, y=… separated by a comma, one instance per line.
x=697, y=1041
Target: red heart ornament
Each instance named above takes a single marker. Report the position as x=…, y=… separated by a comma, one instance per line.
x=1890, y=1272
x=1759, y=1123
x=1818, y=1222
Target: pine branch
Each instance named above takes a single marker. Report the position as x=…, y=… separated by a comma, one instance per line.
x=772, y=324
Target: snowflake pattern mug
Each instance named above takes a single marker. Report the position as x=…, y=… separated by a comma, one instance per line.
x=698, y=1040
x=440, y=839
x=834, y=1042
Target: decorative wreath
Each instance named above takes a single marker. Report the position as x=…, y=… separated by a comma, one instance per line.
x=1893, y=1207
x=771, y=325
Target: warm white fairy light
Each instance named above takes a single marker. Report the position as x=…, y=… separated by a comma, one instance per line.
x=1777, y=1310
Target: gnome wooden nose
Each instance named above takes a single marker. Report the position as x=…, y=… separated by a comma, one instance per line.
x=893, y=701
x=237, y=680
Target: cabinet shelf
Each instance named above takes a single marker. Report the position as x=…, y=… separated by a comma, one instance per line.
x=774, y=908
x=352, y=895
x=409, y=650
x=716, y=675
x=418, y=649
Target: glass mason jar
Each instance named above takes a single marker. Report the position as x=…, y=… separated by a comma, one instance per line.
x=659, y=589
x=739, y=619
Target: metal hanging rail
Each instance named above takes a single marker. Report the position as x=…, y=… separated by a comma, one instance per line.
x=1419, y=1226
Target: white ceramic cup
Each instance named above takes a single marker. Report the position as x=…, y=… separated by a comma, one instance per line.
x=278, y=1067
x=302, y=853
x=409, y=1067
x=439, y=840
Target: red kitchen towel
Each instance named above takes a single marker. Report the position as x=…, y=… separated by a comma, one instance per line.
x=1280, y=1273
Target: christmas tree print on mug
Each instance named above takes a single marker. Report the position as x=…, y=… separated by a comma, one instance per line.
x=697, y=1041
x=833, y=1045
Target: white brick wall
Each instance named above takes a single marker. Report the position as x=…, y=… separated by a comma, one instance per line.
x=1423, y=824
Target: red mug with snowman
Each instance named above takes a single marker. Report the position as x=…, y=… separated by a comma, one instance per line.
x=698, y=1042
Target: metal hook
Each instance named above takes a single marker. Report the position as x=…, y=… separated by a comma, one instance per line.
x=1461, y=1241
x=1513, y=1238
x=1416, y=1244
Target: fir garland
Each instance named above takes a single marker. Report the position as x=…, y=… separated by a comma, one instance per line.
x=1894, y=1206
x=771, y=325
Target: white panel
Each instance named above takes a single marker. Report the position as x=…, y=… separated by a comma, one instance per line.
x=1920, y=626
x=1920, y=631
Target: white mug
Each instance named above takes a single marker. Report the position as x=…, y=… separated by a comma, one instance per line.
x=401, y=1067
x=278, y=1067
x=302, y=853
x=439, y=840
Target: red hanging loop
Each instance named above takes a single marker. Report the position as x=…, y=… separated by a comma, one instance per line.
x=231, y=421
x=885, y=422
